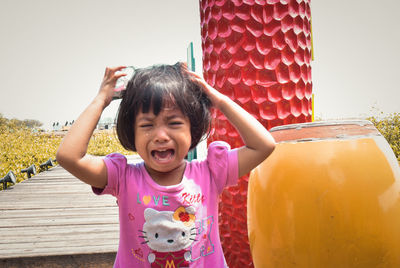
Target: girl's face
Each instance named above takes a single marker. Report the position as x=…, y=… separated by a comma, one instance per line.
x=164, y=140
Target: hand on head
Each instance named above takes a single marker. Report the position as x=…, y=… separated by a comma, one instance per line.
x=214, y=95
x=107, y=86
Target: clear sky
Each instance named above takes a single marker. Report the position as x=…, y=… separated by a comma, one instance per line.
x=53, y=52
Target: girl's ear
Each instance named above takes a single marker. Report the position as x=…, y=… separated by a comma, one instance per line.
x=149, y=213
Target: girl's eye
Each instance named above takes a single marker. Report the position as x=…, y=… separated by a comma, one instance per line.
x=175, y=123
x=146, y=125
x=156, y=236
x=183, y=234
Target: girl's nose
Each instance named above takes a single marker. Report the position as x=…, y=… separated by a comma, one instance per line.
x=161, y=135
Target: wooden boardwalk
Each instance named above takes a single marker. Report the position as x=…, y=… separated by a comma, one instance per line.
x=55, y=214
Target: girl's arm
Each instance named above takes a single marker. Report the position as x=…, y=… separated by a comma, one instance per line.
x=72, y=152
x=259, y=143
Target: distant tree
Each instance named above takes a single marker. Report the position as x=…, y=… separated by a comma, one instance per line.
x=3, y=120
x=16, y=123
x=31, y=123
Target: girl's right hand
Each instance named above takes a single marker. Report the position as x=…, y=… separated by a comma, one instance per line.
x=107, y=86
x=72, y=151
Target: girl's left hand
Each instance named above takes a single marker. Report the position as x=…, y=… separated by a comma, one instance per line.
x=258, y=142
x=214, y=95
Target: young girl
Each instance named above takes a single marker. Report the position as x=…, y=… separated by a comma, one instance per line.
x=168, y=207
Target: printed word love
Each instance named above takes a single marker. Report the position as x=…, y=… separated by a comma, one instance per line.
x=146, y=199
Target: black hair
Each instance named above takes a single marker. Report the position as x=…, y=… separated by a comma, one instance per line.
x=150, y=87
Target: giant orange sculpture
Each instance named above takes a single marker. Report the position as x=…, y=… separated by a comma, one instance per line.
x=257, y=52
x=329, y=196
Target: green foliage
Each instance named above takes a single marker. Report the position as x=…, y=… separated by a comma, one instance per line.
x=105, y=142
x=21, y=147
x=15, y=123
x=389, y=127
x=31, y=123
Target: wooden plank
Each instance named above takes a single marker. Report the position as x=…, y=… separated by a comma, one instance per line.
x=55, y=232
x=32, y=188
x=60, y=221
x=91, y=239
x=55, y=197
x=70, y=204
x=32, y=251
x=50, y=212
x=57, y=193
x=55, y=179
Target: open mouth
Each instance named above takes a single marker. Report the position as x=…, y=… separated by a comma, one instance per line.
x=163, y=155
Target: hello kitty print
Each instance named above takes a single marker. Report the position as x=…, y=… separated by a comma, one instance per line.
x=169, y=235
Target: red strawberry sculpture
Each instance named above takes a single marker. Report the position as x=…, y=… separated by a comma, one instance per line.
x=258, y=52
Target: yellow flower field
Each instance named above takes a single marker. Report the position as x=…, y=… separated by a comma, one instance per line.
x=21, y=147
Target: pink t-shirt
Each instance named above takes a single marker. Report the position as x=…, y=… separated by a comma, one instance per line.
x=171, y=226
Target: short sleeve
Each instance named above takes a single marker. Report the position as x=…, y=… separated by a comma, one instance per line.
x=116, y=168
x=223, y=164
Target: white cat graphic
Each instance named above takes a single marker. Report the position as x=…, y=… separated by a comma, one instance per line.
x=169, y=234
